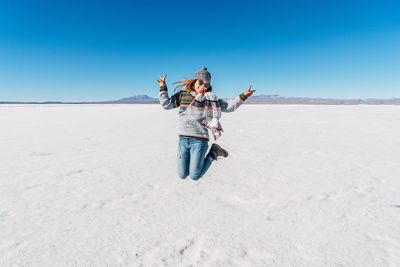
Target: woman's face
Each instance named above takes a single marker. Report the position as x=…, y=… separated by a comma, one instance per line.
x=201, y=87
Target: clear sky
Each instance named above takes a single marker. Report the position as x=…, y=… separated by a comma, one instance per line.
x=106, y=50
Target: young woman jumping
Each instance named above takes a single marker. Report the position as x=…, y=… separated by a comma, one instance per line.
x=199, y=111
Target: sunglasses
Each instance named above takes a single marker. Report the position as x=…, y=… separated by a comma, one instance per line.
x=206, y=84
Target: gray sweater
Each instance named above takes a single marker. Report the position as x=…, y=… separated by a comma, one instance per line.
x=188, y=126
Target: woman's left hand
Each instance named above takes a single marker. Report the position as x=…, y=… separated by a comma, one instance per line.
x=162, y=79
x=249, y=92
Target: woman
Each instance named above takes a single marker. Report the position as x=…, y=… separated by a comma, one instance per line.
x=199, y=110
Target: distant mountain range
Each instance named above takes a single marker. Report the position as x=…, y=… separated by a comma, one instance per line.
x=256, y=99
x=277, y=99
x=138, y=99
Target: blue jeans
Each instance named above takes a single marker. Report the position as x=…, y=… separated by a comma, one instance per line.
x=192, y=159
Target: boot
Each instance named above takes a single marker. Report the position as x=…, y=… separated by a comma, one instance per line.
x=217, y=151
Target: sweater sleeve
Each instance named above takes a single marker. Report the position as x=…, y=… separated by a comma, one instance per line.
x=231, y=104
x=166, y=101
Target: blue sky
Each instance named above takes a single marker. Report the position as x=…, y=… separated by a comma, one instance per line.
x=105, y=50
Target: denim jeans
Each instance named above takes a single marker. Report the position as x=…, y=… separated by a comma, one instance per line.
x=192, y=159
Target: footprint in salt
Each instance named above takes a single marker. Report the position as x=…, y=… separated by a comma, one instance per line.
x=40, y=154
x=144, y=193
x=75, y=172
x=3, y=214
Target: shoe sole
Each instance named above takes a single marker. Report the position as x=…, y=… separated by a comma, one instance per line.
x=220, y=148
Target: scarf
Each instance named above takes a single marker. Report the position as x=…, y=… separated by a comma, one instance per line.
x=206, y=108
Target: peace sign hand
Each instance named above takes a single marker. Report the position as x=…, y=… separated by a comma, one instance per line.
x=161, y=81
x=249, y=92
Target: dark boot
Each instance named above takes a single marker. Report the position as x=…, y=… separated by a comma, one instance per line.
x=217, y=151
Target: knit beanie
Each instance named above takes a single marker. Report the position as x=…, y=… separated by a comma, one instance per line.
x=204, y=75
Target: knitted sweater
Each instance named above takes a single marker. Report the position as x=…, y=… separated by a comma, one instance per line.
x=189, y=126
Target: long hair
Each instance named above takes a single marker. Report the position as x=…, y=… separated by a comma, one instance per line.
x=189, y=85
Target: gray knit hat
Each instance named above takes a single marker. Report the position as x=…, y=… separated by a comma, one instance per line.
x=204, y=75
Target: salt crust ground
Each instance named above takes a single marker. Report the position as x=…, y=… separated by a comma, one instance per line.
x=95, y=185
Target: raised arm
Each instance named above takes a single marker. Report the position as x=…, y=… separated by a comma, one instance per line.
x=230, y=105
x=166, y=101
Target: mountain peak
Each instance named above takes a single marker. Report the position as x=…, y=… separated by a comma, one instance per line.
x=137, y=99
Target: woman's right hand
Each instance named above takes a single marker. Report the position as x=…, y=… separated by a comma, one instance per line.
x=161, y=81
x=249, y=91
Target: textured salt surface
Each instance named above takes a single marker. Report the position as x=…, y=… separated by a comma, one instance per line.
x=95, y=185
